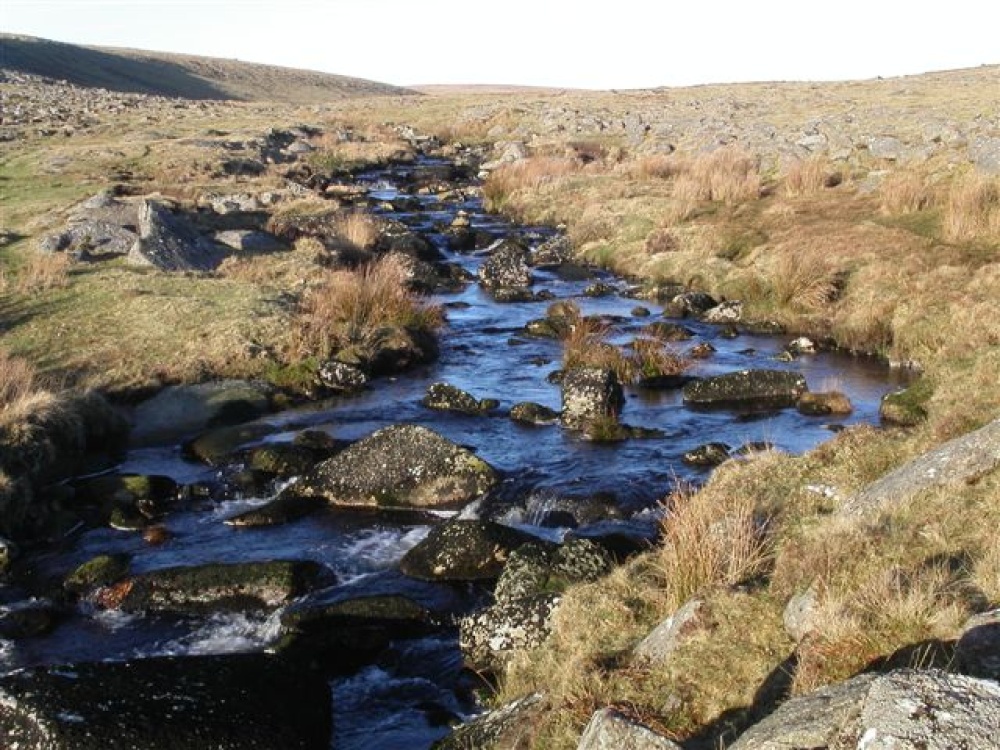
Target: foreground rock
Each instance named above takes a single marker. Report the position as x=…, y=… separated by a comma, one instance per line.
x=463, y=550
x=509, y=726
x=170, y=243
x=747, y=388
x=234, y=702
x=962, y=460
x=610, y=730
x=401, y=466
x=507, y=267
x=590, y=394
x=907, y=708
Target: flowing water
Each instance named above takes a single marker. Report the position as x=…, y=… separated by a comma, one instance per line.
x=397, y=702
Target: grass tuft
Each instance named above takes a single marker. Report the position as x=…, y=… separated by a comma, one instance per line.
x=806, y=177
x=972, y=209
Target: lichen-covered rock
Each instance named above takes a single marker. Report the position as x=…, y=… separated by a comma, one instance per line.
x=709, y=454
x=214, y=587
x=99, y=571
x=401, y=466
x=725, y=313
x=590, y=394
x=610, y=730
x=528, y=412
x=554, y=252
x=667, y=637
x=801, y=613
x=488, y=637
x=691, y=304
x=747, y=388
x=509, y=726
x=539, y=567
x=905, y=709
x=506, y=267
x=342, y=377
x=231, y=702
x=832, y=403
x=463, y=550
x=446, y=397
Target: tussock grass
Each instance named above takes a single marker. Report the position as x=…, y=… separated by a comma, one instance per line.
x=972, y=209
x=348, y=307
x=806, y=177
x=358, y=228
x=42, y=272
x=728, y=174
x=17, y=381
x=905, y=191
x=526, y=175
x=586, y=345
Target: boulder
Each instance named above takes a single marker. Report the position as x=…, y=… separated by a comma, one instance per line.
x=689, y=304
x=554, y=252
x=905, y=408
x=977, y=652
x=504, y=727
x=725, y=313
x=489, y=637
x=801, y=613
x=390, y=350
x=961, y=460
x=906, y=708
x=179, y=411
x=599, y=289
x=30, y=619
x=220, y=446
x=539, y=567
x=709, y=454
x=170, y=243
x=97, y=572
x=285, y=508
x=984, y=152
x=657, y=647
x=231, y=702
x=747, y=388
x=250, y=241
x=610, y=730
x=342, y=377
x=401, y=466
x=832, y=403
x=528, y=412
x=590, y=394
x=463, y=550
x=445, y=397
x=214, y=587
x=506, y=267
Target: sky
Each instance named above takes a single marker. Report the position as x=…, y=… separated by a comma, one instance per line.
x=618, y=44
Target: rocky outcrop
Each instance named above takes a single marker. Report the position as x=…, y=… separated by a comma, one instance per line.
x=610, y=730
x=446, y=397
x=590, y=394
x=747, y=388
x=463, y=550
x=170, y=243
x=233, y=702
x=907, y=708
x=961, y=460
x=401, y=466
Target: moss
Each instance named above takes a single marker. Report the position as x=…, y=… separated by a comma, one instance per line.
x=102, y=570
x=907, y=408
x=737, y=246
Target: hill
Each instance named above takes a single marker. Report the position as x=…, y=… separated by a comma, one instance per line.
x=186, y=76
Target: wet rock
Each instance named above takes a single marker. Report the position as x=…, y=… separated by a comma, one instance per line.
x=689, y=304
x=231, y=702
x=959, y=461
x=826, y=404
x=590, y=394
x=179, y=411
x=156, y=535
x=149, y=496
x=709, y=454
x=391, y=350
x=725, y=313
x=599, y=289
x=554, y=252
x=664, y=331
x=506, y=267
x=539, y=567
x=396, y=237
x=488, y=637
x=657, y=647
x=401, y=466
x=977, y=652
x=753, y=388
x=702, y=350
x=283, y=460
x=528, y=412
x=250, y=241
x=97, y=572
x=547, y=328
x=220, y=446
x=641, y=312
x=8, y=553
x=610, y=730
x=215, y=587
x=287, y=507
x=502, y=727
x=462, y=550
x=29, y=619
x=520, y=294
x=906, y=708
x=801, y=345
x=170, y=243
x=445, y=397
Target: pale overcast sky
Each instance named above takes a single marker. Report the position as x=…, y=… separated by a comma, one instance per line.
x=619, y=44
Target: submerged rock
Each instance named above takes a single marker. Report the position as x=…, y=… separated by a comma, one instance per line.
x=446, y=397
x=528, y=412
x=753, y=388
x=401, y=466
x=231, y=702
x=463, y=550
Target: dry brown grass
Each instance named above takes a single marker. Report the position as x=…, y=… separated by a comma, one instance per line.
x=348, y=307
x=359, y=229
x=525, y=175
x=42, y=272
x=905, y=192
x=972, y=209
x=586, y=345
x=728, y=174
x=17, y=380
x=807, y=177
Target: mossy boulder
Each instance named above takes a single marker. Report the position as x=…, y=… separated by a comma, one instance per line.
x=528, y=412
x=463, y=550
x=831, y=403
x=99, y=571
x=908, y=407
x=747, y=388
x=220, y=446
x=401, y=466
x=590, y=395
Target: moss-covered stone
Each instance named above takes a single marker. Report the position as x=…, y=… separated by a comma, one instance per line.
x=102, y=570
x=908, y=407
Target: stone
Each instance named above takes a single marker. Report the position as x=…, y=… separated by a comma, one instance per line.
x=724, y=313
x=31, y=619
x=610, y=730
x=230, y=702
x=8, y=553
x=285, y=508
x=250, y=241
x=445, y=397
x=977, y=652
x=801, y=345
x=401, y=466
x=284, y=460
x=590, y=394
x=832, y=403
x=984, y=152
x=701, y=350
x=489, y=637
x=961, y=460
x=539, y=567
x=800, y=614
x=664, y=331
x=554, y=252
x=747, y=388
x=342, y=377
x=599, y=289
x=689, y=304
x=170, y=243
x=220, y=446
x=639, y=311
x=905, y=408
x=214, y=587
x=528, y=412
x=709, y=454
x=886, y=147
x=508, y=726
x=905, y=709
x=463, y=550
x=97, y=572
x=506, y=267
x=657, y=647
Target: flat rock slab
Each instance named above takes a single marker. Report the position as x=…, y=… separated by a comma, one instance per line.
x=747, y=388
x=962, y=460
x=233, y=702
x=903, y=710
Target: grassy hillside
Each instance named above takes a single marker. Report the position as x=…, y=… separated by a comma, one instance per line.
x=186, y=76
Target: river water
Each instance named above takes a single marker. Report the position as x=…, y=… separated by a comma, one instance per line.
x=397, y=701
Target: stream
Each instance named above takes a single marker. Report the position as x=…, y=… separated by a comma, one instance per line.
x=398, y=701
